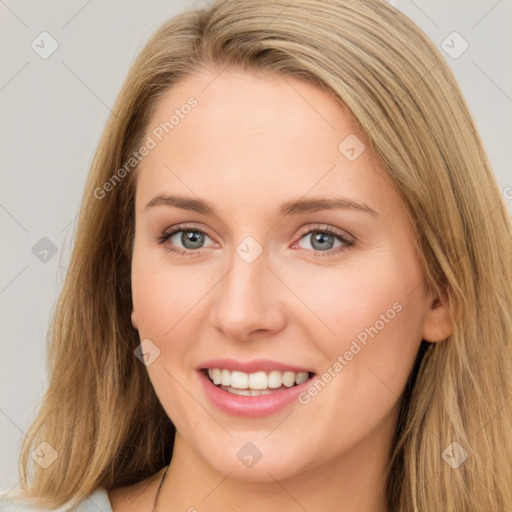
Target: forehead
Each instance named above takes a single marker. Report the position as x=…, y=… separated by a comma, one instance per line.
x=252, y=137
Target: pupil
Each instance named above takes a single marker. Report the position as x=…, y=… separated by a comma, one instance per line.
x=322, y=238
x=194, y=237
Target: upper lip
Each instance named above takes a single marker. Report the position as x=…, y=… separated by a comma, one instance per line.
x=256, y=365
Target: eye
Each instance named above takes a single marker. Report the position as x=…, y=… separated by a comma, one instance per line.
x=323, y=240
x=192, y=238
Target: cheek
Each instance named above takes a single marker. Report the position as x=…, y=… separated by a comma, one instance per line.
x=162, y=295
x=376, y=312
x=340, y=302
x=164, y=299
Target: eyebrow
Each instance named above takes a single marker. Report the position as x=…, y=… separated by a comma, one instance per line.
x=294, y=207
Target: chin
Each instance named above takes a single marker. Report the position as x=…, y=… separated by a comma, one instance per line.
x=259, y=460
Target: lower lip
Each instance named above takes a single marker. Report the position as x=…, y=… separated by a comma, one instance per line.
x=251, y=406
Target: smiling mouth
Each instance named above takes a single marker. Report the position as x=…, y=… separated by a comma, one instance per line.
x=255, y=384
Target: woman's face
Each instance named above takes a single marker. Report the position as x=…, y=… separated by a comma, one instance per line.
x=302, y=261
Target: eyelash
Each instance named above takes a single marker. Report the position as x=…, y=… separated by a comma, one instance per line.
x=347, y=243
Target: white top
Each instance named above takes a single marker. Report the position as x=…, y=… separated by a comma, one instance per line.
x=96, y=502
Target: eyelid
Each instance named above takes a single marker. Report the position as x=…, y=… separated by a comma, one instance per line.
x=347, y=240
x=302, y=231
x=169, y=232
x=325, y=228
x=172, y=230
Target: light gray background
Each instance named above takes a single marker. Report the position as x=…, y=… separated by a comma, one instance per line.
x=53, y=111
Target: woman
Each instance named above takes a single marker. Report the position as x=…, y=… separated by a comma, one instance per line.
x=293, y=279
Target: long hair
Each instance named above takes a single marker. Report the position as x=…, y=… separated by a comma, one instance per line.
x=100, y=413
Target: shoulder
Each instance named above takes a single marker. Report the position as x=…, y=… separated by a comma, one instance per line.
x=133, y=498
x=98, y=500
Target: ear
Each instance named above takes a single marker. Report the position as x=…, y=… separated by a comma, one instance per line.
x=438, y=324
x=134, y=319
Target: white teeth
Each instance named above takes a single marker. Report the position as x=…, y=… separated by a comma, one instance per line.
x=259, y=382
x=257, y=392
x=239, y=380
x=244, y=392
x=301, y=377
x=288, y=379
x=215, y=375
x=226, y=378
x=275, y=379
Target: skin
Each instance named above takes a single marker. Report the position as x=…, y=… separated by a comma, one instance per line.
x=252, y=143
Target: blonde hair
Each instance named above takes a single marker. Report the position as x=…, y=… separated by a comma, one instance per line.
x=100, y=412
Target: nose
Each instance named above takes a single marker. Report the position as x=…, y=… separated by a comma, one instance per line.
x=248, y=301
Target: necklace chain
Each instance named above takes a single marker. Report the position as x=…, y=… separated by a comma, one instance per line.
x=159, y=488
